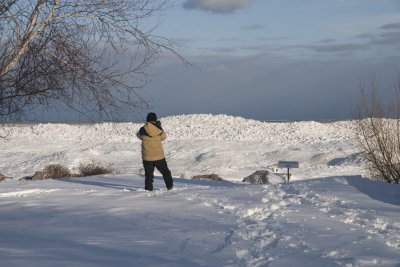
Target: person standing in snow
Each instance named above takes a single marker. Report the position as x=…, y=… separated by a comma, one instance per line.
x=153, y=156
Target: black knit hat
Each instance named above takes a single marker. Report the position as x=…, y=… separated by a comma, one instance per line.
x=151, y=117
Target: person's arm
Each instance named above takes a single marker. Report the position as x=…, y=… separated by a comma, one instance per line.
x=163, y=134
x=158, y=125
x=140, y=133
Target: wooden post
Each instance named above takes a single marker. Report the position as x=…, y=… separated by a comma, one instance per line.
x=288, y=164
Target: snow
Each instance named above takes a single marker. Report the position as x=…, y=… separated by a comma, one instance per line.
x=329, y=214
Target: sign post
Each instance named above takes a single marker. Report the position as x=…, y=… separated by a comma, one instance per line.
x=289, y=165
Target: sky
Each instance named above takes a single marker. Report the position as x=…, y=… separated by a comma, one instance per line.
x=274, y=60
x=269, y=59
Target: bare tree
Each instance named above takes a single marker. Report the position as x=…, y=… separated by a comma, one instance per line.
x=86, y=55
x=378, y=132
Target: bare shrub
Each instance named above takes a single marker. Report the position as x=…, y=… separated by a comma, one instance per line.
x=2, y=177
x=378, y=132
x=94, y=168
x=54, y=171
x=213, y=177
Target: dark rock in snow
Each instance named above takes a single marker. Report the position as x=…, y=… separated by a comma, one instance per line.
x=213, y=177
x=259, y=177
x=37, y=176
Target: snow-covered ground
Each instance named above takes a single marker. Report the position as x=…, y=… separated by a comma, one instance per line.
x=327, y=215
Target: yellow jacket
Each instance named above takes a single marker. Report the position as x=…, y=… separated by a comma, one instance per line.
x=152, y=135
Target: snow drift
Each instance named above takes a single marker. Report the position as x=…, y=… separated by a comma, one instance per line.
x=328, y=215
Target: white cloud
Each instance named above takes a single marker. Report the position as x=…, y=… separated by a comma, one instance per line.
x=217, y=6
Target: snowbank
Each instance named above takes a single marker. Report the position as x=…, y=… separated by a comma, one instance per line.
x=328, y=215
x=231, y=147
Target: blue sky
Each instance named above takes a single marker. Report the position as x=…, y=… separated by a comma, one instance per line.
x=270, y=59
x=205, y=27
x=273, y=60
x=263, y=21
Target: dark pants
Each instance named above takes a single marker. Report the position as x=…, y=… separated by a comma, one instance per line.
x=162, y=167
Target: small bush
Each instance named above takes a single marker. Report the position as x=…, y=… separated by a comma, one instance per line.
x=56, y=171
x=94, y=168
x=2, y=177
x=377, y=135
x=52, y=171
x=213, y=177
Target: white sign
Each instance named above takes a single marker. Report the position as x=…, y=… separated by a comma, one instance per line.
x=288, y=164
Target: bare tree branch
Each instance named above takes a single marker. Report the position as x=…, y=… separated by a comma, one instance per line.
x=86, y=55
x=378, y=132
